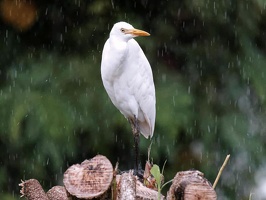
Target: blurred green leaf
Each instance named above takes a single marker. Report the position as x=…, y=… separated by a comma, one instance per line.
x=155, y=171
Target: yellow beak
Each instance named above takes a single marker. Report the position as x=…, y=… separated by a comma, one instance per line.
x=137, y=32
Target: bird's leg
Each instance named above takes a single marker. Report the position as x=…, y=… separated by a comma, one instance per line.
x=136, y=143
x=136, y=133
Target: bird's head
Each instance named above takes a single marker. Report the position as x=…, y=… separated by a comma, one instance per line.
x=126, y=31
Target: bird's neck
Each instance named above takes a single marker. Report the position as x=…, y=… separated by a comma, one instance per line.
x=119, y=49
x=118, y=44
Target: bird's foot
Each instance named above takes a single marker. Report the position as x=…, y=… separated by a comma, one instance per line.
x=139, y=173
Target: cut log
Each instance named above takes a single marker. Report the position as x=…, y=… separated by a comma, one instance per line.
x=32, y=190
x=126, y=187
x=191, y=185
x=95, y=179
x=130, y=188
x=90, y=179
x=57, y=193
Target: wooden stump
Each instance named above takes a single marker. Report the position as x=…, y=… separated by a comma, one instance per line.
x=191, y=185
x=90, y=179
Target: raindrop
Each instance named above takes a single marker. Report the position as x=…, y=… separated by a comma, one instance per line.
x=225, y=15
x=15, y=74
x=61, y=37
x=164, y=77
x=174, y=100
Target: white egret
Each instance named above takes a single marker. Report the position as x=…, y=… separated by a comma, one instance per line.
x=128, y=80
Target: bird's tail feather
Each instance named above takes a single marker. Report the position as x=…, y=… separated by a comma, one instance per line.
x=145, y=129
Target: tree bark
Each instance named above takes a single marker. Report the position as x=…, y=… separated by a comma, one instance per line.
x=126, y=187
x=130, y=188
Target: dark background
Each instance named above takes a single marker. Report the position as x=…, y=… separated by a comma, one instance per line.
x=208, y=60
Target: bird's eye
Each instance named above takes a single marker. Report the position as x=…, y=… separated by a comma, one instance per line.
x=123, y=30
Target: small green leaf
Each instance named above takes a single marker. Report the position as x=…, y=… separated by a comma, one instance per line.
x=155, y=171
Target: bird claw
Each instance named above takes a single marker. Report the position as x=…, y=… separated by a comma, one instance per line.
x=139, y=173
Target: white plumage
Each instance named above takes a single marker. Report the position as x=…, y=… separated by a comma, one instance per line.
x=127, y=77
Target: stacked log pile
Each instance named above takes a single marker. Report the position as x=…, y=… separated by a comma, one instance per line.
x=96, y=179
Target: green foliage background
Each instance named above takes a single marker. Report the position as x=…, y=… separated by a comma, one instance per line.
x=208, y=59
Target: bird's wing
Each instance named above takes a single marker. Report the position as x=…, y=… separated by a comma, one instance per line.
x=143, y=90
x=109, y=63
x=105, y=65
